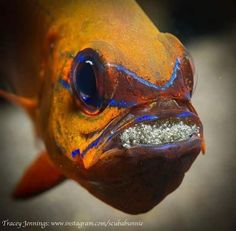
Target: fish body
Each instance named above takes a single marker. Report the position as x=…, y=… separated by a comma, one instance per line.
x=105, y=80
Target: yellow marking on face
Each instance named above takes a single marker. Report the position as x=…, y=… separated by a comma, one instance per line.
x=72, y=125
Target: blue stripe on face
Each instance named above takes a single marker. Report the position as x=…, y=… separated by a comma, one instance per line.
x=120, y=103
x=147, y=83
x=123, y=103
x=184, y=114
x=146, y=118
x=75, y=153
x=65, y=84
x=93, y=144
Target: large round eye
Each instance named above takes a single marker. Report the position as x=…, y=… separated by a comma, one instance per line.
x=86, y=78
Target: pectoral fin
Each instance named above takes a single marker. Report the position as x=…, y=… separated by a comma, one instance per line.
x=39, y=177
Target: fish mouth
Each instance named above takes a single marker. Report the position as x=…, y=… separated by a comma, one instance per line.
x=170, y=132
x=158, y=133
x=146, y=152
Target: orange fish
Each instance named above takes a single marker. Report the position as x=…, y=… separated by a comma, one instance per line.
x=109, y=95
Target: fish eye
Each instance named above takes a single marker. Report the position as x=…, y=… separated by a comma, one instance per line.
x=86, y=70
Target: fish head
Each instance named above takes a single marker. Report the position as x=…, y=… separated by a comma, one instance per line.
x=121, y=122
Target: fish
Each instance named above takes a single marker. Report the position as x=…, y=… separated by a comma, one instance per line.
x=108, y=94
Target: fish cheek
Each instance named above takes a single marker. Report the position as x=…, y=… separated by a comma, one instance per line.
x=70, y=128
x=62, y=132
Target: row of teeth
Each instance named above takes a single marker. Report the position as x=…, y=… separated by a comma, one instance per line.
x=167, y=132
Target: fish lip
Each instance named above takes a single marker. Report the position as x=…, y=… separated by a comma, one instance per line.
x=113, y=145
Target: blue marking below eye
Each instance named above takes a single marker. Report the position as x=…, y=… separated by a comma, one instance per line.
x=146, y=118
x=112, y=102
x=65, y=84
x=91, y=145
x=184, y=114
x=147, y=83
x=120, y=103
x=75, y=153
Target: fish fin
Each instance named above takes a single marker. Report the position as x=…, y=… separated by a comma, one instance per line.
x=28, y=104
x=39, y=177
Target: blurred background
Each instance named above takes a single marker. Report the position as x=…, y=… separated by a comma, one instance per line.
x=206, y=200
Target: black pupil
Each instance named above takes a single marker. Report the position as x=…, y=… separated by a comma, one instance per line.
x=86, y=84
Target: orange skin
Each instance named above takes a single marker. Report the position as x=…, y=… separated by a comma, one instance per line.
x=108, y=28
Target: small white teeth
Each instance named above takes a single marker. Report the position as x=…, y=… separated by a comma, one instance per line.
x=167, y=132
